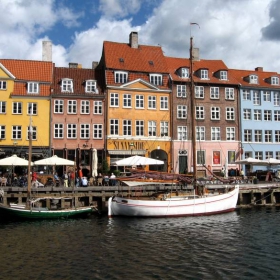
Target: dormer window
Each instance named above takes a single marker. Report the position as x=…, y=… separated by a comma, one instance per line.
x=120, y=77
x=223, y=75
x=184, y=72
x=274, y=80
x=204, y=74
x=253, y=79
x=67, y=85
x=90, y=86
x=32, y=87
x=156, y=79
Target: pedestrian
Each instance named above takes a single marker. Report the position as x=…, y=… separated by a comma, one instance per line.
x=72, y=178
x=80, y=174
x=242, y=173
x=65, y=180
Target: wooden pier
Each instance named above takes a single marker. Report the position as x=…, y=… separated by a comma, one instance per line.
x=250, y=195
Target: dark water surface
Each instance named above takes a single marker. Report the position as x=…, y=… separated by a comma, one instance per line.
x=241, y=245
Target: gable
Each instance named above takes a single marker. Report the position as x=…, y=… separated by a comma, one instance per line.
x=5, y=73
x=139, y=84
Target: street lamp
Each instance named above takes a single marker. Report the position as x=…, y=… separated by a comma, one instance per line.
x=131, y=145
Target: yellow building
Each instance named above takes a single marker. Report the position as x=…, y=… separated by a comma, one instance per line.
x=137, y=102
x=25, y=88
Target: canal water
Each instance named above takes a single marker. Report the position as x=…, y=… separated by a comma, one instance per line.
x=244, y=244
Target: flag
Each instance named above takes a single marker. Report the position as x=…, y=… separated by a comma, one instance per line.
x=193, y=23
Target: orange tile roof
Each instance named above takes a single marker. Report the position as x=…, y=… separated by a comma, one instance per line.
x=29, y=70
x=134, y=59
x=174, y=64
x=78, y=75
x=262, y=77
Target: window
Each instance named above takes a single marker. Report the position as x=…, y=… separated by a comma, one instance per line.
x=223, y=75
x=90, y=86
x=120, y=77
x=58, y=106
x=259, y=155
x=256, y=98
x=127, y=101
x=267, y=96
x=268, y=155
x=31, y=108
x=276, y=98
x=200, y=157
x=139, y=101
x=152, y=102
x=258, y=135
x=17, y=108
x=114, y=127
x=152, y=128
x=246, y=94
x=182, y=133
x=215, y=113
x=84, y=106
x=156, y=79
x=181, y=91
x=214, y=92
x=114, y=100
x=67, y=85
x=181, y=111
x=32, y=87
x=215, y=133
x=58, y=130
x=184, y=72
x=84, y=131
x=33, y=132
x=164, y=103
x=277, y=155
x=257, y=115
x=139, y=128
x=163, y=128
x=2, y=132
x=247, y=135
x=97, y=108
x=277, y=115
x=199, y=92
x=16, y=132
x=268, y=136
x=72, y=107
x=277, y=136
x=267, y=115
x=200, y=133
x=230, y=114
x=127, y=127
x=253, y=79
x=204, y=74
x=2, y=107
x=3, y=85
x=274, y=80
x=247, y=114
x=71, y=131
x=199, y=112
x=97, y=131
x=230, y=133
x=231, y=157
x=229, y=93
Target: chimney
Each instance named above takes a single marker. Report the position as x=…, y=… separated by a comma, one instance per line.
x=196, y=54
x=47, y=51
x=73, y=65
x=133, y=40
x=94, y=64
x=260, y=69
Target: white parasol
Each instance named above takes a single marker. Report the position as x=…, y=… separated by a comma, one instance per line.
x=94, y=163
x=54, y=160
x=14, y=160
x=138, y=160
x=249, y=160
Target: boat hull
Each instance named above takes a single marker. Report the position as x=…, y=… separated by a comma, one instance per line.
x=174, y=207
x=18, y=212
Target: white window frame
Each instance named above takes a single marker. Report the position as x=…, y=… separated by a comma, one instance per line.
x=247, y=133
x=230, y=133
x=200, y=133
x=152, y=128
x=246, y=94
x=84, y=131
x=17, y=108
x=204, y=74
x=32, y=87
x=276, y=98
x=139, y=101
x=214, y=93
x=114, y=127
x=257, y=115
x=152, y=102
x=267, y=115
x=164, y=128
x=66, y=85
x=185, y=73
x=230, y=113
x=268, y=136
x=97, y=131
x=163, y=103
x=199, y=113
x=267, y=96
x=3, y=85
x=223, y=75
x=97, y=107
x=156, y=79
x=139, y=128
x=127, y=127
x=200, y=157
x=275, y=81
x=277, y=136
x=90, y=86
x=215, y=134
x=58, y=106
x=253, y=79
x=181, y=111
x=33, y=132
x=127, y=100
x=258, y=135
x=72, y=107
x=71, y=131
x=85, y=107
x=229, y=92
x=2, y=132
x=215, y=113
x=199, y=92
x=32, y=109
x=182, y=91
x=16, y=132
x=256, y=97
x=276, y=115
x=120, y=77
x=3, y=107
x=58, y=131
x=114, y=99
x=182, y=133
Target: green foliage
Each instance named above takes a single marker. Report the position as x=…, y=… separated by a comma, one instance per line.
x=105, y=167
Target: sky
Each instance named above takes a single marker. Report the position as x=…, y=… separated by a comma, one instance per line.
x=245, y=34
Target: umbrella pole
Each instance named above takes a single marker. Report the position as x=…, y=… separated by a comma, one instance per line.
x=29, y=162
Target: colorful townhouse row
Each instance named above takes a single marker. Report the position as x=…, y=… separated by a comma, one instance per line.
x=136, y=101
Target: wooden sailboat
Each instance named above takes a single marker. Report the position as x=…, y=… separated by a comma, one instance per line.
x=33, y=209
x=174, y=204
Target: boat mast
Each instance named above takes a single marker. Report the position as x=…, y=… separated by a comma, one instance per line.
x=29, y=156
x=192, y=111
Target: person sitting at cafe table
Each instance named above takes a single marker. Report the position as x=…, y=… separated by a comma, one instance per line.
x=84, y=182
